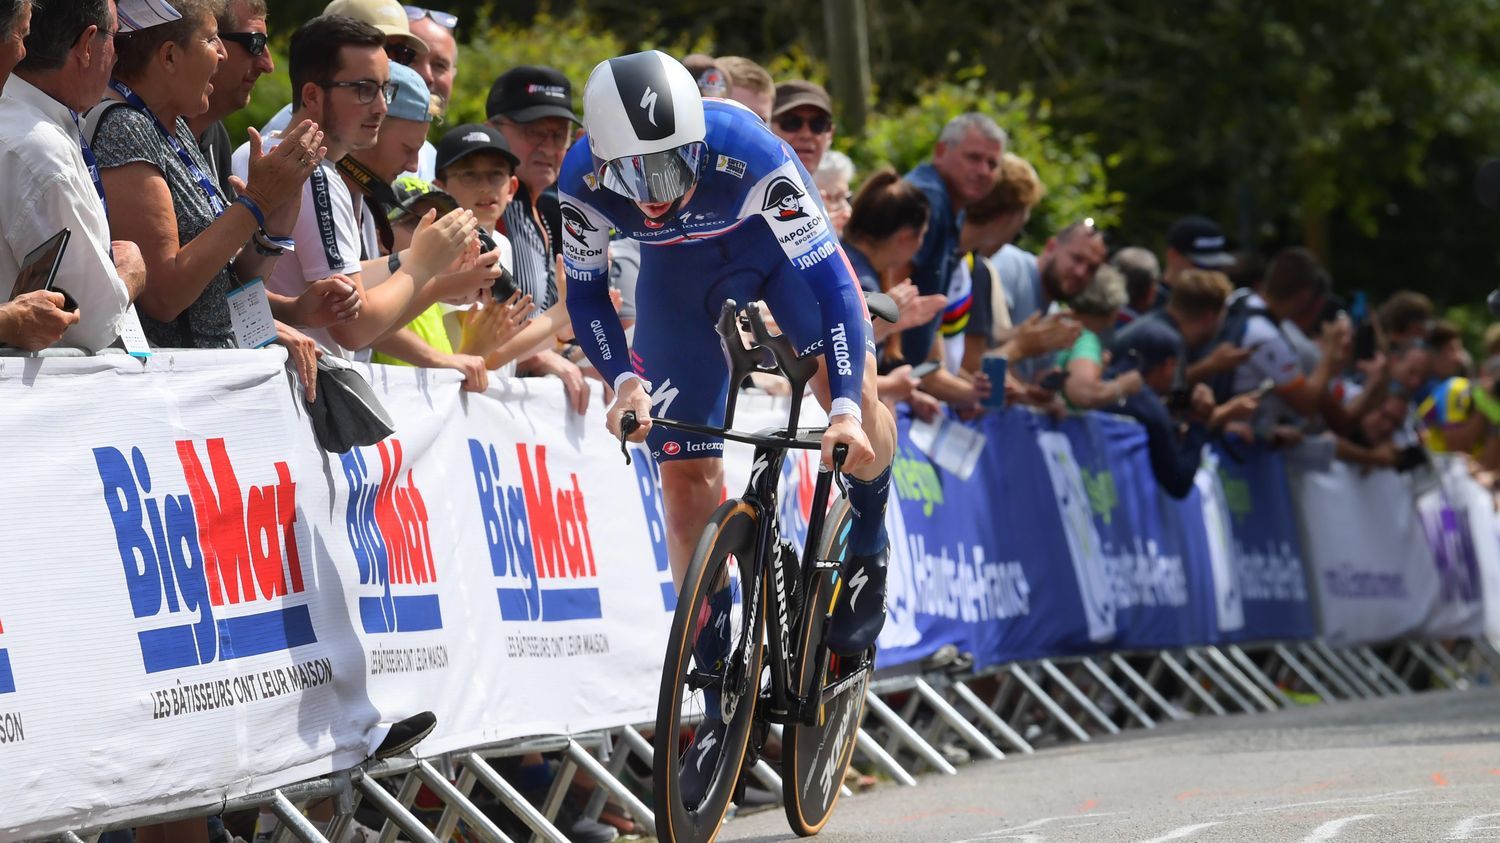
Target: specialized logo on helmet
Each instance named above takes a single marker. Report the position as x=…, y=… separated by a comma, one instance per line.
x=785, y=198
x=575, y=223
x=648, y=103
x=643, y=85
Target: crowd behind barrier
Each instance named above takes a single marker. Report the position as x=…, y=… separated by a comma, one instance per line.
x=225, y=576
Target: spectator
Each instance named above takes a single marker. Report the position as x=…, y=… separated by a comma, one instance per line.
x=1142, y=280
x=1174, y=438
x=438, y=67
x=832, y=177
x=1194, y=242
x=1096, y=308
x=1294, y=288
x=964, y=165
x=191, y=238
x=242, y=29
x=1449, y=357
x=1406, y=317
x=1460, y=416
x=368, y=172
x=1034, y=283
x=47, y=178
x=989, y=226
x=1248, y=269
x=15, y=25
x=533, y=108
x=749, y=84
x=712, y=80
x=1195, y=314
x=401, y=47
x=341, y=78
x=803, y=117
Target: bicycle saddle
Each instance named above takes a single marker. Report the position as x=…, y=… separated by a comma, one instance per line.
x=882, y=306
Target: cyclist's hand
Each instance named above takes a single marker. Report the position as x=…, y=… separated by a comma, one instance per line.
x=632, y=396
x=844, y=430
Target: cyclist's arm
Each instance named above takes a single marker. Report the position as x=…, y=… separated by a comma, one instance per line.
x=595, y=322
x=814, y=252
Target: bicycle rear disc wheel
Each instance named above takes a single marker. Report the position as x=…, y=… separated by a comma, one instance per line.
x=815, y=758
x=729, y=539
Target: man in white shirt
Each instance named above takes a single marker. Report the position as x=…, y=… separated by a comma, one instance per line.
x=340, y=80
x=43, y=175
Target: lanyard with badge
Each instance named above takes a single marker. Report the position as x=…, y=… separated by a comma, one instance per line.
x=249, y=307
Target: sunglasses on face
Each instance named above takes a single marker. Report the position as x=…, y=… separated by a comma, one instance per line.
x=446, y=20
x=365, y=90
x=253, y=42
x=400, y=53
x=792, y=123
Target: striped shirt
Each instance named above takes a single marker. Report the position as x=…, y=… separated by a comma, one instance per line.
x=534, y=267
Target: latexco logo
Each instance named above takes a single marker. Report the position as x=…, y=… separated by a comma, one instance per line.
x=388, y=531
x=538, y=536
x=214, y=563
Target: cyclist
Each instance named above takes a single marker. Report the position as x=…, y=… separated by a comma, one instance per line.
x=723, y=210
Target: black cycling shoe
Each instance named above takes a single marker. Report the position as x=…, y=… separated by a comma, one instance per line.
x=405, y=734
x=860, y=612
x=702, y=758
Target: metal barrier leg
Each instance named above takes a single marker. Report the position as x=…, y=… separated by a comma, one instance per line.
x=1045, y=700
x=1118, y=693
x=1465, y=680
x=1253, y=671
x=619, y=754
x=876, y=753
x=903, y=730
x=1423, y=656
x=964, y=728
x=1334, y=679
x=1145, y=688
x=1235, y=674
x=292, y=819
x=558, y=793
x=455, y=799
x=395, y=811
x=591, y=765
x=1187, y=679
x=988, y=716
x=1367, y=674
x=1199, y=661
x=406, y=795
x=512, y=798
x=448, y=823
x=1383, y=670
x=1302, y=672
x=1339, y=664
x=1078, y=696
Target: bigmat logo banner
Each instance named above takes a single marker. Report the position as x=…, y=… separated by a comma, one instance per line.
x=199, y=603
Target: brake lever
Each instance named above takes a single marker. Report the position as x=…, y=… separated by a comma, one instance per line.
x=840, y=453
x=628, y=425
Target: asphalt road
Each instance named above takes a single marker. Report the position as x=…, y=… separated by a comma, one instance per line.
x=1421, y=768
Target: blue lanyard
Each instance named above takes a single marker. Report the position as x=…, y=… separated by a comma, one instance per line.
x=210, y=190
x=90, y=161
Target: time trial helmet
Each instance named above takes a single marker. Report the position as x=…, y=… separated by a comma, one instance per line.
x=644, y=117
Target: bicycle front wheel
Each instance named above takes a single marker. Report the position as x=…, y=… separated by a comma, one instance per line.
x=681, y=816
x=815, y=758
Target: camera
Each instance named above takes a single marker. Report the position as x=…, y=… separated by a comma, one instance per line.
x=504, y=286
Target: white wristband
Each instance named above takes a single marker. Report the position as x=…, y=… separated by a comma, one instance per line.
x=845, y=407
x=626, y=376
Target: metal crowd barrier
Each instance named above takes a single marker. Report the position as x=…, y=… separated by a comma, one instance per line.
x=916, y=721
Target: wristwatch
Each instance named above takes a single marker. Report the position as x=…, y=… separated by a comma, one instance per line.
x=394, y=262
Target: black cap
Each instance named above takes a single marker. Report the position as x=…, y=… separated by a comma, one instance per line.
x=1145, y=344
x=1200, y=240
x=470, y=138
x=530, y=92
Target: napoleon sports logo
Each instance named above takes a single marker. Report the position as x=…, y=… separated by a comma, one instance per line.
x=538, y=538
x=575, y=223
x=212, y=564
x=388, y=530
x=785, y=199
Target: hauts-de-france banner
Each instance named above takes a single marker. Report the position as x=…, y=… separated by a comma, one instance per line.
x=168, y=638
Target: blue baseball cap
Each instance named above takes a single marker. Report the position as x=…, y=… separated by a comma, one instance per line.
x=412, y=100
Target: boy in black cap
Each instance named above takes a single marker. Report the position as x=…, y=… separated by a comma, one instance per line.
x=476, y=167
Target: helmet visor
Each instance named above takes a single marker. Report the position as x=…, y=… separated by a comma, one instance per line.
x=657, y=177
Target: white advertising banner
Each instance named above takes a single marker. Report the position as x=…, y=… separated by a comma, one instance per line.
x=1444, y=508
x=1372, y=567
x=167, y=635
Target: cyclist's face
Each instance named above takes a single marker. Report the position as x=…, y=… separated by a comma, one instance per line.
x=652, y=210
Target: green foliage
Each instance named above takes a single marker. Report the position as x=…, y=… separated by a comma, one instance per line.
x=1075, y=175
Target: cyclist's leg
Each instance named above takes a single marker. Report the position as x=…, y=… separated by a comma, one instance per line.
x=861, y=610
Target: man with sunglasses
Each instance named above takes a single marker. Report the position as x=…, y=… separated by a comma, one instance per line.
x=242, y=28
x=803, y=117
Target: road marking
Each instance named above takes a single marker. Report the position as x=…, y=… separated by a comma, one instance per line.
x=1355, y=800
x=1329, y=830
x=1439, y=779
x=1466, y=827
x=1012, y=832
x=1185, y=831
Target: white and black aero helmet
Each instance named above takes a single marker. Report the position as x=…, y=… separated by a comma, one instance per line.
x=644, y=117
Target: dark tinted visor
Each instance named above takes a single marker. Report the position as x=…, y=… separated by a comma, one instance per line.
x=658, y=177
